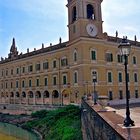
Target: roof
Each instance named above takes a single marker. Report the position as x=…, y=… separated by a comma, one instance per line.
x=35, y=52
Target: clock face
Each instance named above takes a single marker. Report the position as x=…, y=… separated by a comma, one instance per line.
x=92, y=30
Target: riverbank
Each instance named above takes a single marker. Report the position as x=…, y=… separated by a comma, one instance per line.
x=63, y=123
x=5, y=137
x=19, y=121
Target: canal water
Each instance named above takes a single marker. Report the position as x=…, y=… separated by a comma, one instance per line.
x=12, y=132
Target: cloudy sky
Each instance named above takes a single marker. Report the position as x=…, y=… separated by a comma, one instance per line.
x=34, y=22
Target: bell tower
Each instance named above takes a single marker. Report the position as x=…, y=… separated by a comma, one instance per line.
x=84, y=18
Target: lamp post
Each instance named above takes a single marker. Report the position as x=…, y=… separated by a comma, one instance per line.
x=125, y=49
x=94, y=91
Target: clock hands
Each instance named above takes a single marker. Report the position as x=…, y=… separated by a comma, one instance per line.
x=91, y=29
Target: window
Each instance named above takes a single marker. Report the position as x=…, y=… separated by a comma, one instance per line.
x=120, y=94
x=37, y=82
x=120, y=77
x=11, y=71
x=6, y=85
x=17, y=70
x=23, y=69
x=54, y=64
x=93, y=55
x=109, y=77
x=75, y=56
x=90, y=12
x=30, y=68
x=74, y=14
x=75, y=77
x=45, y=65
x=109, y=57
x=136, y=94
x=6, y=72
x=134, y=60
x=46, y=81
x=64, y=79
x=64, y=62
x=37, y=67
x=54, y=81
x=120, y=58
x=30, y=83
x=110, y=95
x=23, y=83
x=16, y=84
x=135, y=77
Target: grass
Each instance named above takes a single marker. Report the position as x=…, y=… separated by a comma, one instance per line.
x=60, y=124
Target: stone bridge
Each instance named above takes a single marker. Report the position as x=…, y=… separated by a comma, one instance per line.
x=98, y=123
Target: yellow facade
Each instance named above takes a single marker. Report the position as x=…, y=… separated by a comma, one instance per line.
x=63, y=73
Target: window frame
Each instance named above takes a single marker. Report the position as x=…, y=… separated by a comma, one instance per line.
x=109, y=77
x=75, y=56
x=75, y=77
x=120, y=77
x=93, y=54
x=109, y=57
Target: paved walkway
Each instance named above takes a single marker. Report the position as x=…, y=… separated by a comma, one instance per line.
x=134, y=114
x=123, y=101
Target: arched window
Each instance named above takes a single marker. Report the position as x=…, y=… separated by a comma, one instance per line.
x=46, y=94
x=75, y=56
x=17, y=94
x=74, y=14
x=23, y=94
x=75, y=77
x=31, y=95
x=134, y=60
x=55, y=94
x=38, y=94
x=90, y=12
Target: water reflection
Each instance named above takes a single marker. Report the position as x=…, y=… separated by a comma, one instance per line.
x=12, y=132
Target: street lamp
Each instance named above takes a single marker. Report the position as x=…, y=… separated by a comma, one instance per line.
x=94, y=91
x=125, y=49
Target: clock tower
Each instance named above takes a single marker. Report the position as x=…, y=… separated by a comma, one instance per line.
x=84, y=18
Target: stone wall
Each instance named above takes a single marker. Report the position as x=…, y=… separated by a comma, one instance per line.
x=95, y=127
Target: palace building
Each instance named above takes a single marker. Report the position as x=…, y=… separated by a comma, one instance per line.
x=63, y=73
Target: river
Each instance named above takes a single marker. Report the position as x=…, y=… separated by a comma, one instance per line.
x=12, y=132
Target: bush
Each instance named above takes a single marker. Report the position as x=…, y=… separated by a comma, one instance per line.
x=61, y=124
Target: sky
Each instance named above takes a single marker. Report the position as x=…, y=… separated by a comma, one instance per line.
x=33, y=22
